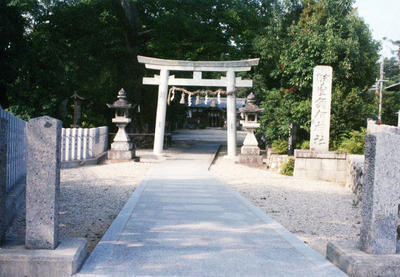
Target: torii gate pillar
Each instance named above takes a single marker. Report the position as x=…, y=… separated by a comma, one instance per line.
x=231, y=115
x=164, y=80
x=161, y=112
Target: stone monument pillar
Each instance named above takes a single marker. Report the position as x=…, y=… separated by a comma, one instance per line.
x=398, y=118
x=377, y=252
x=45, y=254
x=381, y=191
x=122, y=148
x=43, y=157
x=321, y=108
x=318, y=163
x=250, y=152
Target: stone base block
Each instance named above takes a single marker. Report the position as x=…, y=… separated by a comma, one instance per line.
x=77, y=163
x=327, y=166
x=251, y=160
x=357, y=263
x=250, y=150
x=121, y=146
x=276, y=161
x=65, y=260
x=121, y=155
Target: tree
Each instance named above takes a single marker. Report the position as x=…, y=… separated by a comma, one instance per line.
x=84, y=46
x=391, y=99
x=90, y=46
x=392, y=70
x=326, y=32
x=11, y=43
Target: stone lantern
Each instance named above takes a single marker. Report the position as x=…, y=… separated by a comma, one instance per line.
x=121, y=148
x=250, y=152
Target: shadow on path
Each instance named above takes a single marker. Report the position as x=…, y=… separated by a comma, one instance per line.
x=182, y=221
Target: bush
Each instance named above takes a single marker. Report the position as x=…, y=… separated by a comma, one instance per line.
x=304, y=145
x=288, y=168
x=280, y=146
x=354, y=143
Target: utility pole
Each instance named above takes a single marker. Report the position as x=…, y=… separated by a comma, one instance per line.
x=380, y=89
x=380, y=84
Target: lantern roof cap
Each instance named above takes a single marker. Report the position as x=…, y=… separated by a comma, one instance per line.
x=251, y=106
x=121, y=103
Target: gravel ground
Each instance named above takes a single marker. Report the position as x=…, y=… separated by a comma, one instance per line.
x=91, y=197
x=315, y=211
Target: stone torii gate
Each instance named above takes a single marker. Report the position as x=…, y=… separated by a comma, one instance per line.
x=230, y=81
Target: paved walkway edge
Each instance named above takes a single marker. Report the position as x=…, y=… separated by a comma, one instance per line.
x=306, y=250
x=105, y=246
x=214, y=157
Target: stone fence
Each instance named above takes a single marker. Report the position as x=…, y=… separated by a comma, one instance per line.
x=79, y=144
x=12, y=166
x=42, y=253
x=16, y=162
x=355, y=163
x=372, y=127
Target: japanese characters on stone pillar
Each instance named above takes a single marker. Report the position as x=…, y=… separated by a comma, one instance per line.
x=321, y=108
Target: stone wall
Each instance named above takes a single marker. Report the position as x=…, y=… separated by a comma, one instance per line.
x=372, y=127
x=100, y=142
x=327, y=166
x=354, y=178
x=275, y=161
x=83, y=143
x=13, y=166
x=42, y=253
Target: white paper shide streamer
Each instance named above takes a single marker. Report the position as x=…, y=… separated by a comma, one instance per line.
x=173, y=95
x=190, y=100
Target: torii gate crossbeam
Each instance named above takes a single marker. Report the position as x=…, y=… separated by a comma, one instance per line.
x=164, y=80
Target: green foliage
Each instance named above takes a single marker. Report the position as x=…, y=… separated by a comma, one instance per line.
x=391, y=99
x=354, y=143
x=392, y=69
x=288, y=167
x=390, y=107
x=280, y=146
x=50, y=49
x=280, y=109
x=325, y=32
x=304, y=145
x=83, y=46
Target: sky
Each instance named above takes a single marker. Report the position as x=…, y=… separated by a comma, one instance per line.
x=383, y=18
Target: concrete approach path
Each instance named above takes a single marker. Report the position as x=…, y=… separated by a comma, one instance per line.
x=183, y=221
